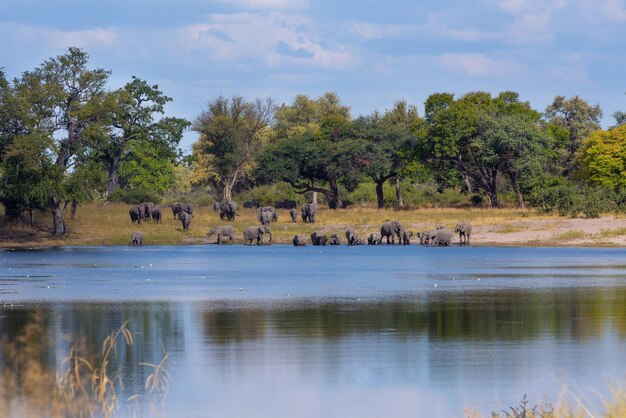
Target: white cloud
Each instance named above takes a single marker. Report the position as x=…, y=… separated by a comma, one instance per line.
x=611, y=10
x=370, y=31
x=274, y=38
x=532, y=20
x=479, y=65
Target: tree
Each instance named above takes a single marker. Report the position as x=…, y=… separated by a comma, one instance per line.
x=602, y=158
x=132, y=110
x=385, y=136
x=578, y=118
x=620, y=118
x=312, y=149
x=482, y=138
x=231, y=136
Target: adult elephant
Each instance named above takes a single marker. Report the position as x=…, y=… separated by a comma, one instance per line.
x=309, y=212
x=185, y=219
x=441, y=237
x=390, y=230
x=299, y=240
x=228, y=210
x=256, y=233
x=294, y=215
x=318, y=238
x=335, y=239
x=224, y=231
x=136, y=238
x=464, y=229
x=156, y=215
x=176, y=209
x=351, y=236
x=135, y=214
x=266, y=215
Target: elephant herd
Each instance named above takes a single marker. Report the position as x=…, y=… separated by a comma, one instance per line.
x=389, y=231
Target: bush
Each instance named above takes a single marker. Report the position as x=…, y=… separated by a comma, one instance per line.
x=270, y=194
x=134, y=196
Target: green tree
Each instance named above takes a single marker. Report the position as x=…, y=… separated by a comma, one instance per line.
x=385, y=137
x=231, y=135
x=483, y=138
x=578, y=119
x=620, y=118
x=132, y=111
x=312, y=149
x=602, y=158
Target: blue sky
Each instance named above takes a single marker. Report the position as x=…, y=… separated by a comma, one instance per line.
x=371, y=53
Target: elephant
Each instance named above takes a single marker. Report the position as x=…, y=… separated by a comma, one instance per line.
x=156, y=215
x=135, y=214
x=299, y=240
x=335, y=240
x=464, y=229
x=389, y=229
x=318, y=238
x=351, y=236
x=256, y=232
x=185, y=218
x=267, y=215
x=136, y=238
x=176, y=209
x=441, y=237
x=228, y=209
x=294, y=215
x=309, y=212
x=222, y=231
x=405, y=236
x=187, y=207
x=424, y=237
x=374, y=239
x=216, y=206
x=146, y=209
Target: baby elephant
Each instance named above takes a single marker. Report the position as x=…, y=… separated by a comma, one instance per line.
x=335, y=240
x=136, y=238
x=405, y=237
x=464, y=230
x=224, y=231
x=299, y=240
x=424, y=237
x=294, y=215
x=318, y=239
x=374, y=239
x=156, y=215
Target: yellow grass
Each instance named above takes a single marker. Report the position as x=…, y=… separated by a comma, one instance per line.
x=109, y=224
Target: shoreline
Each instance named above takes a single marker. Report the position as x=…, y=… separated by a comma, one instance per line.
x=109, y=225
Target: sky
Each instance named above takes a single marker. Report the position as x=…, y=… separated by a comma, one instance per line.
x=371, y=53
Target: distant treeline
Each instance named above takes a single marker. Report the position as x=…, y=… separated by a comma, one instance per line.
x=65, y=138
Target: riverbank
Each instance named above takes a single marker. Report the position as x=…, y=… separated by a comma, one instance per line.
x=109, y=224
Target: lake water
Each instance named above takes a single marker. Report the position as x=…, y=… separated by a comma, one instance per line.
x=279, y=331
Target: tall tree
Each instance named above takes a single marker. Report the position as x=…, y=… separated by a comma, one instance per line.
x=602, y=158
x=483, y=138
x=385, y=136
x=578, y=119
x=132, y=110
x=230, y=137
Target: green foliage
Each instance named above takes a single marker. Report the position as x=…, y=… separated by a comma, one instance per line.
x=147, y=166
x=602, y=158
x=268, y=195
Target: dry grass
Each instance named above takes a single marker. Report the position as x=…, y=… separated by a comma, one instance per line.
x=109, y=224
x=568, y=236
x=87, y=385
x=610, y=233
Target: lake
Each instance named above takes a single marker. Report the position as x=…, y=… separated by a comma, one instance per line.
x=280, y=331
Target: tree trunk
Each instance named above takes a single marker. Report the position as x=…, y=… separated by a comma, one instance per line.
x=57, y=217
x=75, y=205
x=468, y=184
x=379, y=193
x=518, y=195
x=492, y=197
x=314, y=195
x=31, y=216
x=398, y=192
x=114, y=182
x=227, y=194
x=334, y=201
